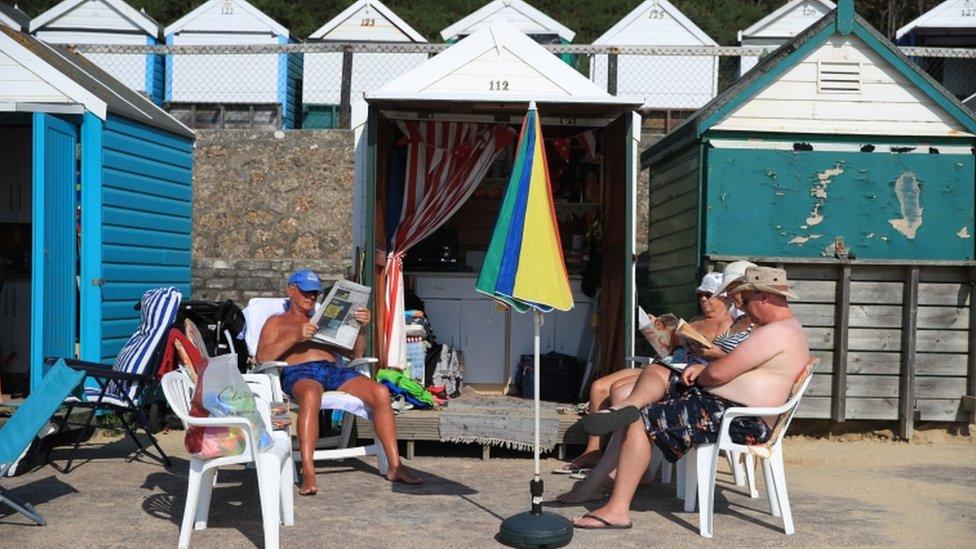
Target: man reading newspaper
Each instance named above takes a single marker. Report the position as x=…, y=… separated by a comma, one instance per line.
x=314, y=367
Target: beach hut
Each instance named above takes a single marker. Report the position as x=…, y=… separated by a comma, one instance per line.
x=484, y=84
x=780, y=27
x=111, y=22
x=841, y=161
x=951, y=24
x=530, y=21
x=232, y=90
x=658, y=81
x=97, y=191
x=12, y=17
x=363, y=21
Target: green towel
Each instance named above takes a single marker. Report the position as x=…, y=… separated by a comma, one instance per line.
x=397, y=378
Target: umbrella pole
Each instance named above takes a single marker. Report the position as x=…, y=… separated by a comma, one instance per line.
x=535, y=389
x=536, y=528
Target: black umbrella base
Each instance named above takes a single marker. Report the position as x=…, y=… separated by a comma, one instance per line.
x=529, y=529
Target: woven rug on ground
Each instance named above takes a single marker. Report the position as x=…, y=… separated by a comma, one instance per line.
x=498, y=421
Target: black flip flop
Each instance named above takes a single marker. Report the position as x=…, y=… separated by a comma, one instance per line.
x=602, y=423
x=607, y=525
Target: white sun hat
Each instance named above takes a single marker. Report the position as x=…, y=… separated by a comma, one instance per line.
x=734, y=272
x=710, y=283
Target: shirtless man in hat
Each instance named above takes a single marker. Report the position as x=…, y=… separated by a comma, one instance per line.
x=312, y=370
x=689, y=407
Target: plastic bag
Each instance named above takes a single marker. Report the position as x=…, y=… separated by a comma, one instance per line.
x=222, y=392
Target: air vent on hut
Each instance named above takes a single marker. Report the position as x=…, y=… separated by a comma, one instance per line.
x=838, y=77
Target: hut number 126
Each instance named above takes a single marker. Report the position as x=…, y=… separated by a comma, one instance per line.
x=498, y=85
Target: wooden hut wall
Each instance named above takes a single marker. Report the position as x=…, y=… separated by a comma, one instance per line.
x=674, y=232
x=894, y=341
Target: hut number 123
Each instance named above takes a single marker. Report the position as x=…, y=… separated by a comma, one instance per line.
x=498, y=85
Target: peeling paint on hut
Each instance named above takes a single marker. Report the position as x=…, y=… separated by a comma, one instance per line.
x=835, y=136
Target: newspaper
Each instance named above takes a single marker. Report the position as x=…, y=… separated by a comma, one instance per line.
x=334, y=317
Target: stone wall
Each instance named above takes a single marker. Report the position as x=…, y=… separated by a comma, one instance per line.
x=266, y=203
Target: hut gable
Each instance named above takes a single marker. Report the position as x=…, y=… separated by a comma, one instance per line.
x=226, y=16
x=951, y=14
x=655, y=23
x=844, y=86
x=368, y=20
x=787, y=21
x=515, y=12
x=84, y=16
x=28, y=82
x=12, y=17
x=37, y=73
x=499, y=63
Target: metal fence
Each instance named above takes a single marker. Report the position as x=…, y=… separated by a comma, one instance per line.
x=312, y=85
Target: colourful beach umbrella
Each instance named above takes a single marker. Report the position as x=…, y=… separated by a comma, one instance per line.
x=524, y=266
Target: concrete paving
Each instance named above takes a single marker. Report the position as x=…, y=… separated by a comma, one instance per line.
x=862, y=493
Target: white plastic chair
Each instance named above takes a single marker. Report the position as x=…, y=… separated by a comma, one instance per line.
x=699, y=465
x=742, y=473
x=274, y=468
x=257, y=312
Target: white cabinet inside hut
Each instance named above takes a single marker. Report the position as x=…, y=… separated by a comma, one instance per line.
x=492, y=338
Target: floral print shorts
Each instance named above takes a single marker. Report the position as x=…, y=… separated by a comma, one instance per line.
x=692, y=415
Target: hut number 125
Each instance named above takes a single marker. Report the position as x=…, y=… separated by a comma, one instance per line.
x=498, y=85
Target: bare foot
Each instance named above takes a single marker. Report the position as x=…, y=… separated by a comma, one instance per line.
x=308, y=487
x=400, y=473
x=592, y=520
x=580, y=494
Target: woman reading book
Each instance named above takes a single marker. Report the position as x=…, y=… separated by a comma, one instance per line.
x=716, y=324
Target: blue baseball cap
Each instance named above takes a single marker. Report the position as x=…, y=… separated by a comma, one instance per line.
x=306, y=280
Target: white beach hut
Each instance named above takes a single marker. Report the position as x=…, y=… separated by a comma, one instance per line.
x=490, y=78
x=659, y=81
x=781, y=26
x=110, y=22
x=951, y=24
x=530, y=21
x=232, y=90
x=363, y=21
x=12, y=17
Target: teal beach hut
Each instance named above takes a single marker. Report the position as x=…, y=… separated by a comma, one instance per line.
x=97, y=204
x=840, y=160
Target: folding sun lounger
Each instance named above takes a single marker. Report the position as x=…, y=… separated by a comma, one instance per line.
x=30, y=418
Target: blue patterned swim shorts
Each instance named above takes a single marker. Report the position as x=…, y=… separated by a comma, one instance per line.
x=326, y=373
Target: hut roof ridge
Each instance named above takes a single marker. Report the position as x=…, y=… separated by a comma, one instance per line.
x=683, y=20
x=389, y=14
x=497, y=5
x=139, y=18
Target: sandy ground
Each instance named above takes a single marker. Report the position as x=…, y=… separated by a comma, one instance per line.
x=843, y=493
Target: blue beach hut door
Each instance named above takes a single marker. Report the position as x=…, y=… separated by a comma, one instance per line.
x=55, y=176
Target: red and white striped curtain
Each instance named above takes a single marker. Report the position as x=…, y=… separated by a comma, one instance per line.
x=445, y=163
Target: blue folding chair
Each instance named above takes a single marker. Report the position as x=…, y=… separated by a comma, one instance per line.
x=30, y=418
x=125, y=387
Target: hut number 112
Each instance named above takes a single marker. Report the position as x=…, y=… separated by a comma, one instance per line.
x=498, y=85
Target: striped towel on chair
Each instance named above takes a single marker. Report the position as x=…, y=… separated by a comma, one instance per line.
x=157, y=314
